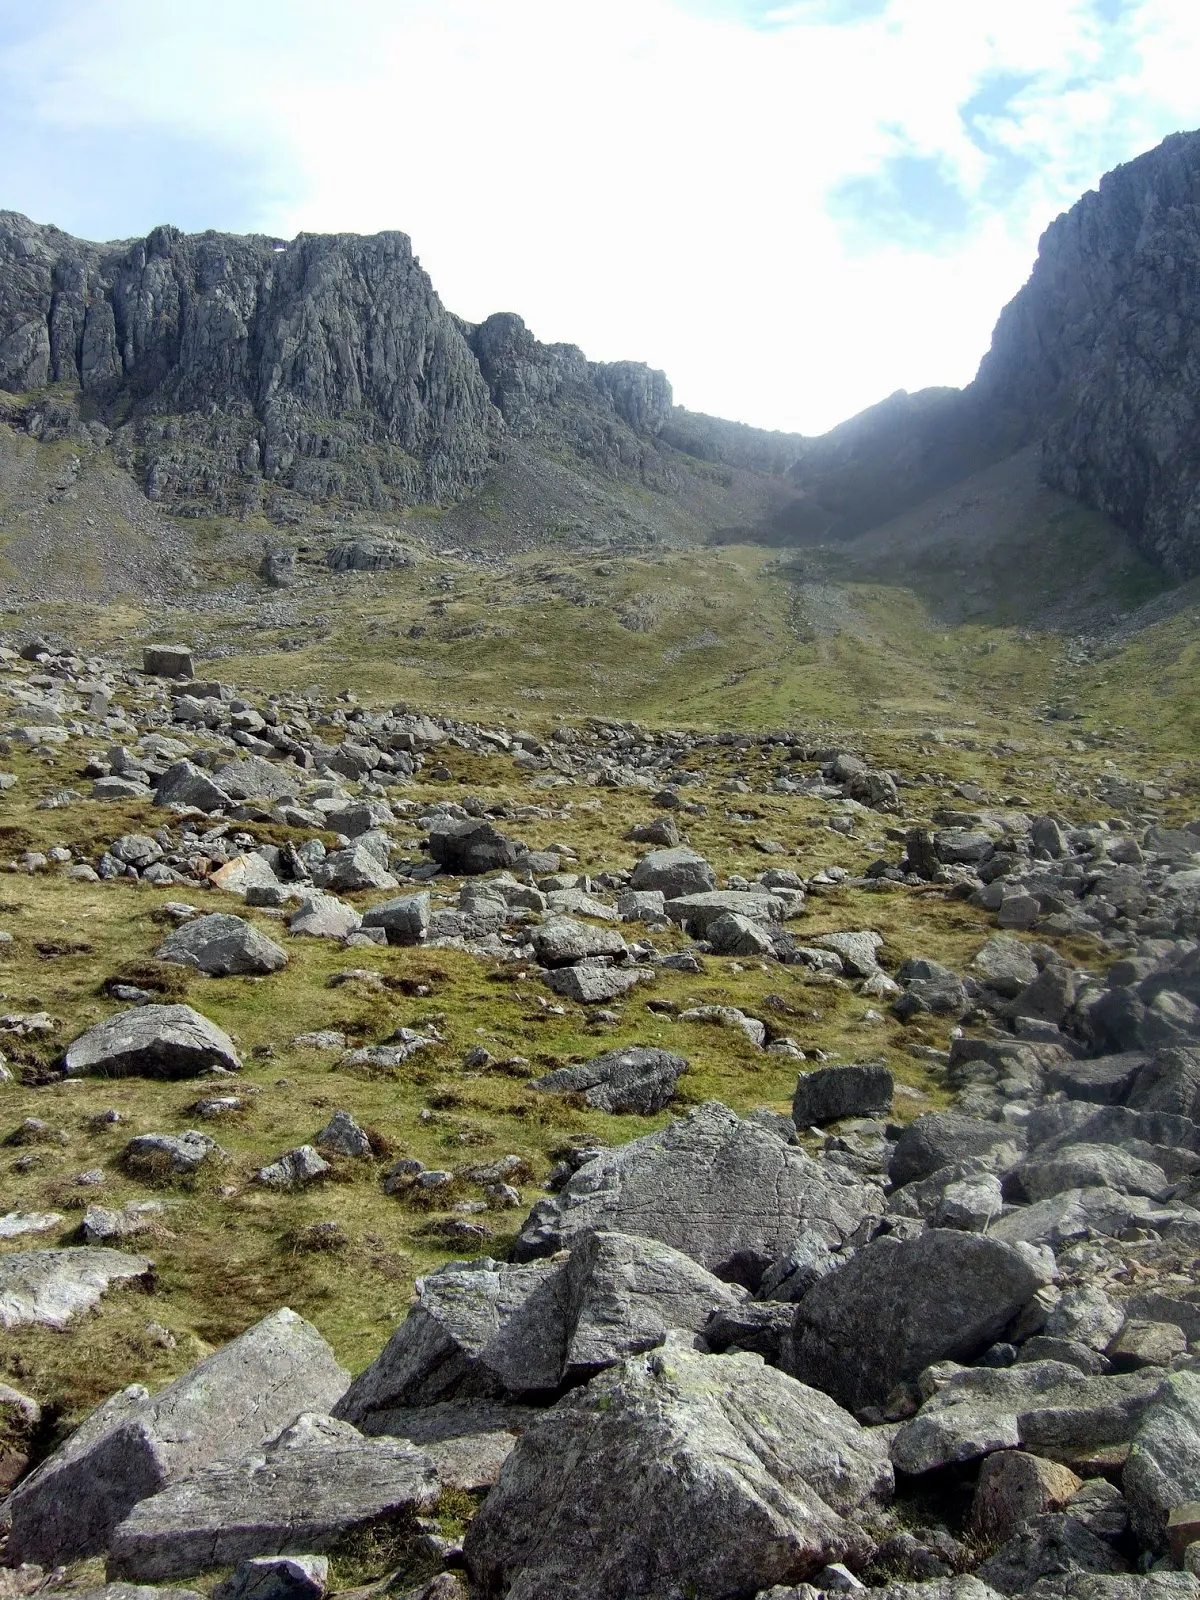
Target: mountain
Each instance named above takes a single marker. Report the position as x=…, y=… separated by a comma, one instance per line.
x=256, y=378
x=240, y=375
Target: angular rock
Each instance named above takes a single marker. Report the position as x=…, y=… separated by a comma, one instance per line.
x=185, y=784
x=242, y=873
x=276, y=1578
x=168, y=661
x=562, y=941
x=677, y=871
x=342, y=1136
x=359, y=867
x=483, y=1330
x=1048, y=1548
x=324, y=916
x=222, y=946
x=1014, y=1486
x=469, y=849
x=405, y=920
x=49, y=1287
x=1004, y=965
x=152, y=1042
x=637, y=1079
x=254, y=778
x=741, y=1479
x=729, y=1193
x=1089, y=1166
x=699, y=913
x=1169, y=1083
x=155, y=1155
x=589, y=985
x=468, y=1441
x=735, y=935
x=1164, y=1464
x=1046, y=1407
x=940, y=1138
x=316, y=1484
x=294, y=1169
x=830, y=1093
x=856, y=950
x=900, y=1306
x=136, y=1443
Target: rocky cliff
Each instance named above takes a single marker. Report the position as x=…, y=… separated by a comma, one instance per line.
x=240, y=374
x=1097, y=358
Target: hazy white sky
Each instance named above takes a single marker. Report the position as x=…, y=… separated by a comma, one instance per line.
x=792, y=209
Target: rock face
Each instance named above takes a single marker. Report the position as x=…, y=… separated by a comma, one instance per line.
x=135, y=1444
x=153, y=1041
x=898, y=1307
x=742, y=1479
x=729, y=1193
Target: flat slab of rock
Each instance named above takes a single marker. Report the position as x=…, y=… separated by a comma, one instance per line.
x=636, y=1079
x=222, y=946
x=1047, y=1407
x=861, y=1090
x=482, y=1329
x=50, y=1287
x=136, y=1443
x=16, y=1224
x=941, y=1138
x=678, y=1473
x=729, y=1193
x=897, y=1307
x=324, y=916
x=319, y=1481
x=152, y=1042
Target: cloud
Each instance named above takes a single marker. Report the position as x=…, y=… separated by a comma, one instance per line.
x=792, y=208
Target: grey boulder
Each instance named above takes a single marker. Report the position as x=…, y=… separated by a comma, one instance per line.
x=157, y=1155
x=484, y=1330
x=314, y=1485
x=134, y=1444
x=678, y=1473
x=675, y=872
x=152, y=1042
x=276, y=1578
x=637, y=1079
x=185, y=784
x=1163, y=1469
x=702, y=912
x=830, y=1093
x=941, y=1138
x=324, y=916
x=562, y=941
x=729, y=1193
x=222, y=946
x=405, y=920
x=1048, y=1407
x=49, y=1287
x=899, y=1306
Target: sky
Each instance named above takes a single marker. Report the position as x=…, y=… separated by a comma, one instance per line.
x=793, y=209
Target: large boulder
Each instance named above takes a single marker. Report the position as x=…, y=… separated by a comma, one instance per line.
x=222, y=946
x=899, y=1306
x=678, y=1473
x=1170, y=1083
x=1163, y=1469
x=701, y=912
x=484, y=1330
x=941, y=1138
x=1089, y=1166
x=468, y=849
x=1048, y=1407
x=676, y=872
x=135, y=1443
x=253, y=778
x=562, y=941
x=405, y=920
x=862, y=1090
x=318, y=1483
x=152, y=1042
x=358, y=867
x=638, y=1079
x=731, y=1194
x=324, y=916
x=185, y=784
x=49, y=1287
